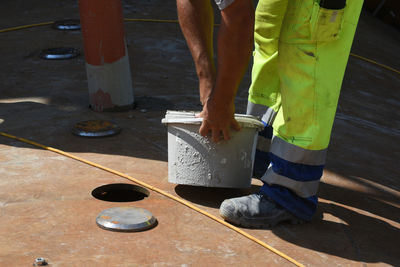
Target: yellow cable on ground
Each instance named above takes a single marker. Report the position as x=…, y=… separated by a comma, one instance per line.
x=374, y=62
x=155, y=189
x=26, y=26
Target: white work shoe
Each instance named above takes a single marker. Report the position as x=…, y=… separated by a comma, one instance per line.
x=255, y=211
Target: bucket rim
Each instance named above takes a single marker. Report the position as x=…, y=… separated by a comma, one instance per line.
x=189, y=117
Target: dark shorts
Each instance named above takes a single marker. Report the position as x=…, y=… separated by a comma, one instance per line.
x=223, y=3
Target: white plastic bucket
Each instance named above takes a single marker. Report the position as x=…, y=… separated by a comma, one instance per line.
x=196, y=160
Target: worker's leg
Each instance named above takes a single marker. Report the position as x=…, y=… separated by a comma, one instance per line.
x=264, y=92
x=311, y=69
x=196, y=18
x=313, y=52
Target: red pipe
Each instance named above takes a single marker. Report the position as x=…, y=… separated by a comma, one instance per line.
x=107, y=62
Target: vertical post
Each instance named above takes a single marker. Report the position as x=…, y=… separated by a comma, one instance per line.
x=107, y=62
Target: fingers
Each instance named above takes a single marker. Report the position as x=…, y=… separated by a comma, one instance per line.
x=216, y=132
x=226, y=134
x=204, y=129
x=207, y=131
x=215, y=135
x=235, y=125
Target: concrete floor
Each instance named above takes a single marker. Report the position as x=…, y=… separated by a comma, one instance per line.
x=46, y=205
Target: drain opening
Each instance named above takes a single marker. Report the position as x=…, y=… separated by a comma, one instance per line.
x=59, y=53
x=67, y=25
x=120, y=193
x=96, y=128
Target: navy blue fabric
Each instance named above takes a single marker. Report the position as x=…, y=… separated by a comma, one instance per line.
x=262, y=158
x=303, y=208
x=296, y=171
x=261, y=163
x=267, y=131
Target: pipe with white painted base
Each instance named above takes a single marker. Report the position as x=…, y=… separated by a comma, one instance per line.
x=107, y=62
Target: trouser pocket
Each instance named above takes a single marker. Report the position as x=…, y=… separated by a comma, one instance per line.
x=333, y=4
x=327, y=20
x=309, y=21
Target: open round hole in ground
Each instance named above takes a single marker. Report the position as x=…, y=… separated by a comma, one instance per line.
x=120, y=192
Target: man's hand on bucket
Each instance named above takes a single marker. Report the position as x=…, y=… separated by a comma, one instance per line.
x=218, y=118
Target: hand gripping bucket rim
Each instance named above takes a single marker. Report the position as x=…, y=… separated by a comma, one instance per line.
x=189, y=117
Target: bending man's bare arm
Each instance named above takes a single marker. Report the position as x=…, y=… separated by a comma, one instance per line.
x=235, y=43
x=196, y=18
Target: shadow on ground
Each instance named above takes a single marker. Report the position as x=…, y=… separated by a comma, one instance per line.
x=357, y=237
x=211, y=197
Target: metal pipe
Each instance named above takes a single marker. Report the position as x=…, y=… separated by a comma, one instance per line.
x=107, y=62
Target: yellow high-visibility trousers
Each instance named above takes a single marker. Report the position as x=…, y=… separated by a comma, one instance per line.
x=301, y=53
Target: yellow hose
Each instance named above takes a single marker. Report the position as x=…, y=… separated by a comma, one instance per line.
x=26, y=26
x=374, y=62
x=155, y=189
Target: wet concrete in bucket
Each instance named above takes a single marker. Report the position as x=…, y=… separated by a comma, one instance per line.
x=46, y=203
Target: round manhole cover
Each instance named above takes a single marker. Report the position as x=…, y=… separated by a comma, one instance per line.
x=59, y=53
x=120, y=192
x=126, y=219
x=95, y=128
x=67, y=25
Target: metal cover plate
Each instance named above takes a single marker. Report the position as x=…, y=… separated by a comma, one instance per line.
x=95, y=128
x=126, y=219
x=67, y=25
x=59, y=53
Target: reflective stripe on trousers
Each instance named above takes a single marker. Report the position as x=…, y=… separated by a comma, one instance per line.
x=301, y=52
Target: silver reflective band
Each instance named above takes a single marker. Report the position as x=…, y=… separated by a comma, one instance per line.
x=263, y=143
x=266, y=114
x=296, y=154
x=302, y=189
x=223, y=3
